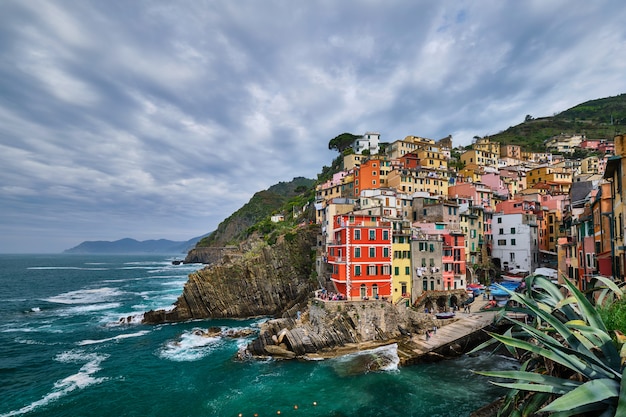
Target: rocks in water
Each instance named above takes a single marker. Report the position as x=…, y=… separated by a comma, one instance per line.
x=328, y=329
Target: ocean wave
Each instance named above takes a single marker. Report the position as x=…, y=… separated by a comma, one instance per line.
x=384, y=358
x=80, y=380
x=89, y=308
x=108, y=339
x=191, y=346
x=86, y=296
x=114, y=319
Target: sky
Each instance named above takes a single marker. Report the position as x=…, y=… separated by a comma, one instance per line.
x=158, y=119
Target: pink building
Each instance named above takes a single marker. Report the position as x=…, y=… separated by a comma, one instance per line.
x=495, y=182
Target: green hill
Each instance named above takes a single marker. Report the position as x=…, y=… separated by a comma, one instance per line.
x=596, y=119
x=260, y=207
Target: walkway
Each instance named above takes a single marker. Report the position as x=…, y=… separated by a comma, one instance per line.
x=466, y=324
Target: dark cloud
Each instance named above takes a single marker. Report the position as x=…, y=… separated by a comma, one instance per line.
x=159, y=119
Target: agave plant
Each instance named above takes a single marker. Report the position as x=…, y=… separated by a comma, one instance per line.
x=571, y=366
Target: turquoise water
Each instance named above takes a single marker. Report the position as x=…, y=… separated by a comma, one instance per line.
x=64, y=352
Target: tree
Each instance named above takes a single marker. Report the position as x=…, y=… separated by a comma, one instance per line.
x=342, y=142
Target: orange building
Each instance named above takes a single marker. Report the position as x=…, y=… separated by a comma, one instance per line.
x=360, y=256
x=368, y=176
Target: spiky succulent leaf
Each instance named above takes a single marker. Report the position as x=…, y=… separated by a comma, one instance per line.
x=593, y=391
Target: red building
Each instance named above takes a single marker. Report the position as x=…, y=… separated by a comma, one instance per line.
x=360, y=256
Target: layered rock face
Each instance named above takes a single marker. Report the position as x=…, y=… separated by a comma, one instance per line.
x=325, y=327
x=263, y=280
x=208, y=255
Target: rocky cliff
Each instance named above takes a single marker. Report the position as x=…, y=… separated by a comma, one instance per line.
x=259, y=280
x=325, y=327
x=209, y=254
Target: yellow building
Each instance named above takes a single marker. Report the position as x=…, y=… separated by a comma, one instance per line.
x=486, y=145
x=412, y=180
x=431, y=157
x=409, y=144
x=353, y=160
x=401, y=262
x=470, y=174
x=590, y=165
x=559, y=178
x=474, y=158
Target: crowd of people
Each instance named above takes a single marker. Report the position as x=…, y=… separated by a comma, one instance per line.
x=329, y=295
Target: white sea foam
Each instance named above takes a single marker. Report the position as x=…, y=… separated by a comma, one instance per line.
x=118, y=337
x=35, y=309
x=90, y=308
x=86, y=296
x=80, y=380
x=366, y=360
x=191, y=346
x=117, y=319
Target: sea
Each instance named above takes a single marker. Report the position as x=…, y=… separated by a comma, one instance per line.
x=72, y=344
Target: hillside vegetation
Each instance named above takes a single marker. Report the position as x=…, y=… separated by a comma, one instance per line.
x=596, y=119
x=279, y=198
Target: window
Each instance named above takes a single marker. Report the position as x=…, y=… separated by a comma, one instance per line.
x=372, y=252
x=512, y=256
x=499, y=219
x=371, y=270
x=357, y=234
x=501, y=231
x=372, y=234
x=407, y=270
x=423, y=262
x=512, y=230
x=396, y=270
x=512, y=242
x=386, y=235
x=431, y=247
x=357, y=252
x=386, y=269
x=357, y=270
x=432, y=262
x=386, y=252
x=501, y=242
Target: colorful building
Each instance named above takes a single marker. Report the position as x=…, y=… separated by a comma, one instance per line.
x=359, y=256
x=401, y=282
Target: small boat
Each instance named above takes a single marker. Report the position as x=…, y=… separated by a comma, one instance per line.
x=515, y=275
x=447, y=315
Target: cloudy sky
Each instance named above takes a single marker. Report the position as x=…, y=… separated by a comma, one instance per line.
x=158, y=119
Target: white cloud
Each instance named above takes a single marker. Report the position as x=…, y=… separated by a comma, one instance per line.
x=161, y=119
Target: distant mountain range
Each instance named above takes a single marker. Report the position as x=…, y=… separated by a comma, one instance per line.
x=128, y=245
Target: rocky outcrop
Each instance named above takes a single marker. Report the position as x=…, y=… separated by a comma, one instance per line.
x=208, y=255
x=326, y=328
x=262, y=280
